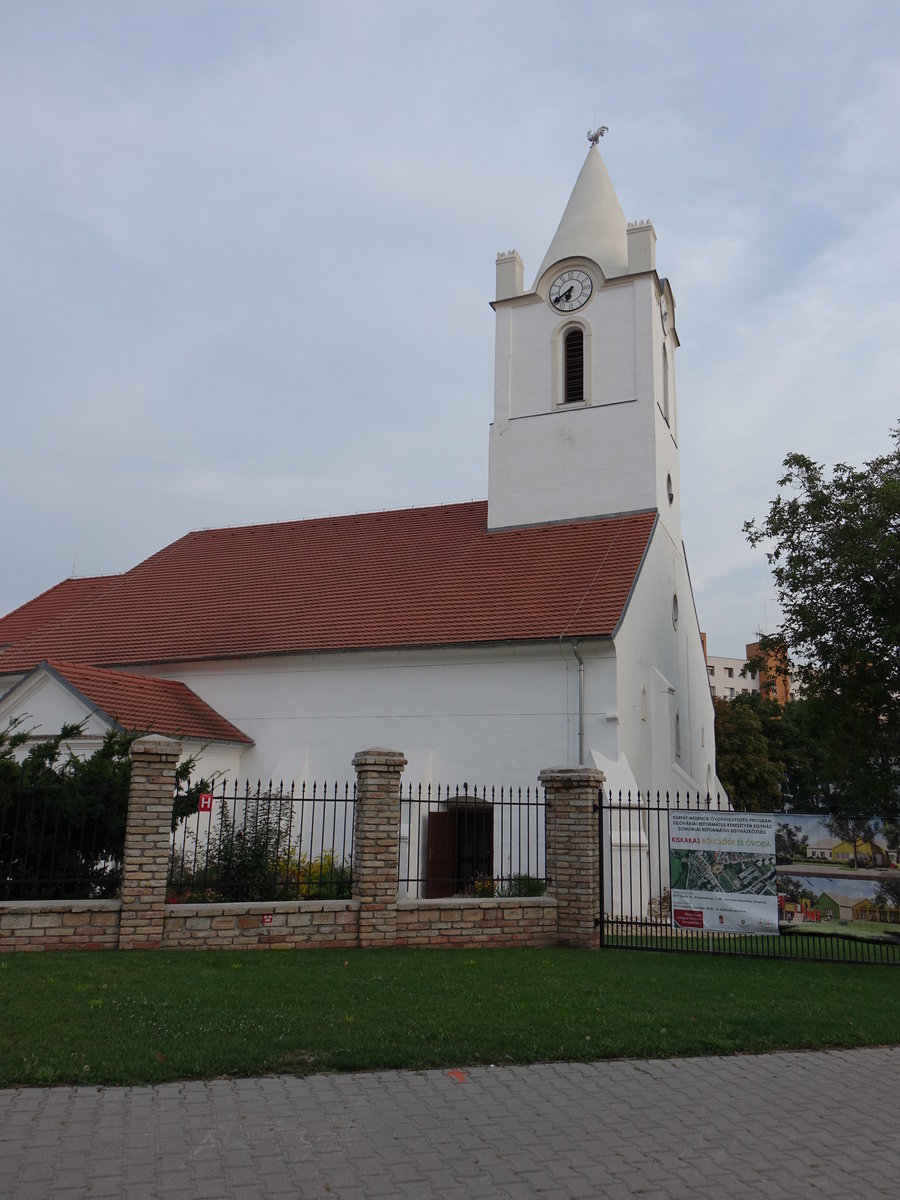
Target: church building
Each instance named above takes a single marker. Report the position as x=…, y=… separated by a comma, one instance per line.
x=552, y=624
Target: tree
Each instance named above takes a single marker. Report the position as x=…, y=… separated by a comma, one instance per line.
x=792, y=889
x=855, y=831
x=888, y=894
x=834, y=548
x=801, y=737
x=790, y=842
x=744, y=763
x=62, y=818
x=890, y=833
x=794, y=742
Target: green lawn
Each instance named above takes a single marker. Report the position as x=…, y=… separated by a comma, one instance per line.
x=148, y=1017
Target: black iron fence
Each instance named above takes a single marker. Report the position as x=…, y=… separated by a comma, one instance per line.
x=672, y=880
x=59, y=841
x=256, y=843
x=457, y=842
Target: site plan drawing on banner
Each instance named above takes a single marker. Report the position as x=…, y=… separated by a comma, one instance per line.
x=722, y=871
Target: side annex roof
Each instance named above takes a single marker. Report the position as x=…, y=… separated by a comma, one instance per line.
x=140, y=704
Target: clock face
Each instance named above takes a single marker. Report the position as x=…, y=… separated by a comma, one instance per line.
x=570, y=290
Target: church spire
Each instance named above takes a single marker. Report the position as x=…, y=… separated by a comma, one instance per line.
x=593, y=225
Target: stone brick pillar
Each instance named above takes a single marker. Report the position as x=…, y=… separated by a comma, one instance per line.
x=376, y=843
x=148, y=835
x=573, y=851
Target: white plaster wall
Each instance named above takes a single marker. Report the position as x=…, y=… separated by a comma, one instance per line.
x=668, y=664
x=615, y=453
x=491, y=716
x=526, y=331
x=650, y=341
x=569, y=464
x=44, y=706
x=214, y=760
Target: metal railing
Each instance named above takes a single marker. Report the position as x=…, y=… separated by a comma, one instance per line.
x=636, y=888
x=256, y=843
x=58, y=842
x=462, y=842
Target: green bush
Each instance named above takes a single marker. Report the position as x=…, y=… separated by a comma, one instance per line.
x=323, y=878
x=516, y=886
x=62, y=818
x=522, y=885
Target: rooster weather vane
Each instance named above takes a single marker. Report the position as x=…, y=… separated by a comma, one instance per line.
x=598, y=133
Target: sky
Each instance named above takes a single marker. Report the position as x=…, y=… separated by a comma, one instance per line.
x=247, y=252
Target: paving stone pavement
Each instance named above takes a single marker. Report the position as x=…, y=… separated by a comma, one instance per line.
x=795, y=1126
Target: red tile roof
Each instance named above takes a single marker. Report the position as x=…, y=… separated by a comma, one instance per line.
x=414, y=577
x=49, y=606
x=148, y=705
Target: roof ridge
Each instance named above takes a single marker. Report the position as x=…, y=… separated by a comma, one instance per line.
x=295, y=521
x=55, y=587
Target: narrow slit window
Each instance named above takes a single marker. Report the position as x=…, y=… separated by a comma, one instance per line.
x=574, y=367
x=665, y=383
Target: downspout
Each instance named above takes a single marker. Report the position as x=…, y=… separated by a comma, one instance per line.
x=580, y=662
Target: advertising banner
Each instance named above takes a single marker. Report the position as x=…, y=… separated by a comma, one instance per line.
x=722, y=867
x=838, y=873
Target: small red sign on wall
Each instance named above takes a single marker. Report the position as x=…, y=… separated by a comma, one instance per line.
x=205, y=804
x=688, y=918
x=267, y=919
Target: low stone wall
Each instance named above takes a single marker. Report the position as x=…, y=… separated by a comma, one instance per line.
x=310, y=924
x=60, y=925
x=142, y=920
x=472, y=922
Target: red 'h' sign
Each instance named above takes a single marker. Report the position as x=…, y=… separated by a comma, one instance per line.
x=205, y=804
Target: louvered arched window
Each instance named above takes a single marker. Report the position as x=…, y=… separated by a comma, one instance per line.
x=573, y=366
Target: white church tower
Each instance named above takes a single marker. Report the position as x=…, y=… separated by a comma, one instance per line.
x=585, y=419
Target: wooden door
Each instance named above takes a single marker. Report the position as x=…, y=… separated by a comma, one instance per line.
x=440, y=879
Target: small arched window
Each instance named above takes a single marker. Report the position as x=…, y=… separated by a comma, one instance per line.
x=573, y=366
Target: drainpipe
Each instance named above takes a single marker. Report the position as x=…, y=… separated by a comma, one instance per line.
x=580, y=662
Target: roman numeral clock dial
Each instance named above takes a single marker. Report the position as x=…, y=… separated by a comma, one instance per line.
x=570, y=290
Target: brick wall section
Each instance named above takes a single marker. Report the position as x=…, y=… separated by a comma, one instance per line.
x=573, y=851
x=464, y=922
x=66, y=925
x=376, y=843
x=311, y=924
x=148, y=835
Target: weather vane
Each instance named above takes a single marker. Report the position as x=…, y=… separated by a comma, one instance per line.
x=598, y=133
